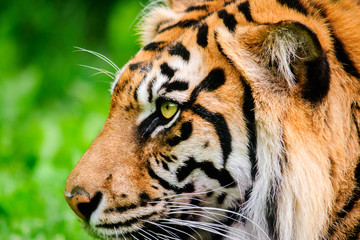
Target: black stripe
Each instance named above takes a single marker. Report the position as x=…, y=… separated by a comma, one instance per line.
x=180, y=50
x=195, y=201
x=196, y=8
x=135, y=93
x=187, y=188
x=354, y=233
x=343, y=57
x=228, y=3
x=211, y=82
x=154, y=46
x=355, y=195
x=165, y=166
x=340, y=52
x=144, y=69
x=126, y=223
x=244, y=8
x=156, y=160
x=294, y=4
x=149, y=89
x=185, y=132
x=271, y=210
x=182, y=24
x=202, y=35
x=249, y=114
x=349, y=206
x=134, y=66
x=121, y=209
x=183, y=172
x=355, y=107
x=166, y=158
x=248, y=194
x=167, y=70
x=149, y=125
x=221, y=198
x=222, y=176
x=144, y=199
x=221, y=128
x=221, y=50
x=228, y=19
x=175, y=86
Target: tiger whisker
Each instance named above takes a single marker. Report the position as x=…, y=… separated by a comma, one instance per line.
x=206, y=209
x=122, y=235
x=237, y=214
x=107, y=60
x=162, y=236
x=109, y=74
x=217, y=222
x=116, y=233
x=165, y=226
x=141, y=230
x=181, y=206
x=160, y=226
x=133, y=236
x=221, y=228
x=197, y=225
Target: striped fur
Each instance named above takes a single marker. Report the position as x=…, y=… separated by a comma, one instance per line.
x=265, y=143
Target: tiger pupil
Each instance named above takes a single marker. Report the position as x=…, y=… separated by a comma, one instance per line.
x=168, y=109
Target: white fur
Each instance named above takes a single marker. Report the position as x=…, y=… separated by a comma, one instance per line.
x=116, y=79
x=148, y=24
x=303, y=205
x=282, y=47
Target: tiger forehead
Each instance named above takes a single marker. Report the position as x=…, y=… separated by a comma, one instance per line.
x=209, y=13
x=175, y=38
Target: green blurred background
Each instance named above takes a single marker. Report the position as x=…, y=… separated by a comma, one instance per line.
x=50, y=107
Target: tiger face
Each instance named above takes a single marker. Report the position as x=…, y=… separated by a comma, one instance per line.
x=221, y=124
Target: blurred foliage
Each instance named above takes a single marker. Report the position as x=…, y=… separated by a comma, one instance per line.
x=50, y=107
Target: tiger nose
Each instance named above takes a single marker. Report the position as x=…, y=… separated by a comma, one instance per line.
x=80, y=202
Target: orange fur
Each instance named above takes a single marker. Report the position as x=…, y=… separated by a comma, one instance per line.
x=308, y=146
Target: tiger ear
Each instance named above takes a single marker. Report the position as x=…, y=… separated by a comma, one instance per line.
x=279, y=56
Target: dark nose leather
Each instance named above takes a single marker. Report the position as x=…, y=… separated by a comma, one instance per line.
x=80, y=202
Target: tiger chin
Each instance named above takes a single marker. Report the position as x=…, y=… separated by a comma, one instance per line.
x=236, y=120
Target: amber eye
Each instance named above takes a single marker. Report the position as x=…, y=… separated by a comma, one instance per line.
x=168, y=109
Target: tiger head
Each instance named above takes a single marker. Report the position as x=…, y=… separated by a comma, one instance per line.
x=233, y=122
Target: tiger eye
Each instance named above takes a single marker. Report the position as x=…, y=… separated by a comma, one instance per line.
x=168, y=109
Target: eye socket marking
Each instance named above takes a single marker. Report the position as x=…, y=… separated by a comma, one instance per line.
x=165, y=112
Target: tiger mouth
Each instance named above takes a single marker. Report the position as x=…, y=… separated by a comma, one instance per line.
x=127, y=223
x=145, y=227
x=154, y=225
x=157, y=225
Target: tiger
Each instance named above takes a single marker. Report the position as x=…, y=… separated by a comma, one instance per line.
x=237, y=119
